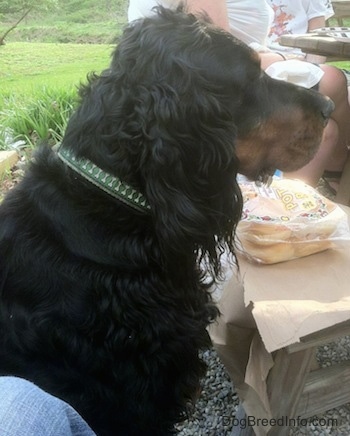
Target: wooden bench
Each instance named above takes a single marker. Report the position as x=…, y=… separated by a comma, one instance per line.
x=311, y=390
x=341, y=11
x=298, y=388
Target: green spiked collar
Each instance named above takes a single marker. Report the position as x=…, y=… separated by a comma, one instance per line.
x=103, y=180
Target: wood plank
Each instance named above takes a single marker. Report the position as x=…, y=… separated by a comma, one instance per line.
x=341, y=10
x=285, y=384
x=316, y=44
x=321, y=337
x=325, y=389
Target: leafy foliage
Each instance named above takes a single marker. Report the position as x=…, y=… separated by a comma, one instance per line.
x=38, y=87
x=43, y=118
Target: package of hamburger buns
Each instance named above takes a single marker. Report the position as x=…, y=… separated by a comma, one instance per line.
x=287, y=220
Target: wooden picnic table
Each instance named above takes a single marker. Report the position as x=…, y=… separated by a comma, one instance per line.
x=333, y=48
x=322, y=45
x=341, y=10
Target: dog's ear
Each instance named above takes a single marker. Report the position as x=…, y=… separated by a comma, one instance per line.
x=164, y=115
x=189, y=172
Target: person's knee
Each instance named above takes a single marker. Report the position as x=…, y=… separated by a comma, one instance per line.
x=12, y=388
x=330, y=135
x=27, y=409
x=333, y=83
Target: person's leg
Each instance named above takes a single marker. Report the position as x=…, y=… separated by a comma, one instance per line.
x=26, y=410
x=334, y=85
x=313, y=171
x=269, y=58
x=333, y=150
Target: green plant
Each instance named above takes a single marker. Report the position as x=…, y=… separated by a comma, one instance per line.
x=43, y=118
x=39, y=86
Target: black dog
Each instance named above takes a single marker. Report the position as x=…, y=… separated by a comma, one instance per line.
x=108, y=248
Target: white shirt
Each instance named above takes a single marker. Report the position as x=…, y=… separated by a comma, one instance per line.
x=249, y=19
x=143, y=8
x=292, y=16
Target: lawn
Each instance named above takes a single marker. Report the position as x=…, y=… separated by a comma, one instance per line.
x=71, y=21
x=38, y=86
x=44, y=60
x=29, y=66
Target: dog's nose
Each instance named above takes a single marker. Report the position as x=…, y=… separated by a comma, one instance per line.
x=327, y=108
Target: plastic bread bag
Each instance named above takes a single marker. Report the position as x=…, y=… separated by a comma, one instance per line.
x=288, y=220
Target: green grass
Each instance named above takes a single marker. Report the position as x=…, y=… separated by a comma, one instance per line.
x=62, y=32
x=38, y=86
x=42, y=117
x=341, y=64
x=44, y=60
x=25, y=67
x=81, y=21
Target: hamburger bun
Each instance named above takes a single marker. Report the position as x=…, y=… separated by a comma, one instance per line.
x=286, y=220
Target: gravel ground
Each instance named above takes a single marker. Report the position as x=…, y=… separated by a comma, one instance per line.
x=217, y=405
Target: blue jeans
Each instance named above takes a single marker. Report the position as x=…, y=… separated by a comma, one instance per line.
x=26, y=410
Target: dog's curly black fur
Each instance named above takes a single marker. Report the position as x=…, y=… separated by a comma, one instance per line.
x=104, y=306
